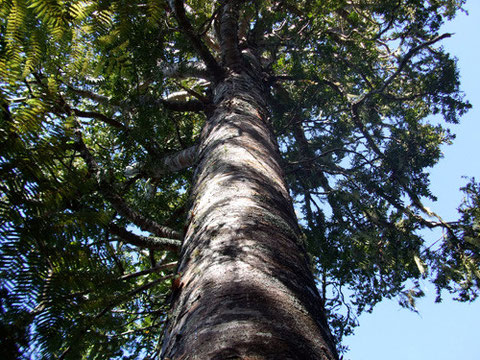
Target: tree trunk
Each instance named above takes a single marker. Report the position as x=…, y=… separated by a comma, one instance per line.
x=244, y=289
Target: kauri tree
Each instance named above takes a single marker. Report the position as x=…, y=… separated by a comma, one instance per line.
x=204, y=179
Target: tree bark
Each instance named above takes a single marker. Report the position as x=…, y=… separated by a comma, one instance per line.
x=244, y=289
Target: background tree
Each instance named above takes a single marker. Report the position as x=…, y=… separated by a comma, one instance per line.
x=102, y=108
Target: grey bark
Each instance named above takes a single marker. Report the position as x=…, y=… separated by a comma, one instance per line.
x=245, y=289
x=171, y=163
x=150, y=242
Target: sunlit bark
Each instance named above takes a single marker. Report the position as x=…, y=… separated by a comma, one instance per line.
x=245, y=289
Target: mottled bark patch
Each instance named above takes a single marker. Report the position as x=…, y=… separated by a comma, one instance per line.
x=247, y=291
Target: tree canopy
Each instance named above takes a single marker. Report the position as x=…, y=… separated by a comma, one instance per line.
x=102, y=104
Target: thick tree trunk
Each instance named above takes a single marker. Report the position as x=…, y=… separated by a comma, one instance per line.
x=245, y=289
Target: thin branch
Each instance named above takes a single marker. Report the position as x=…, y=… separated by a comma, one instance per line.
x=192, y=105
x=132, y=293
x=149, y=271
x=193, y=93
x=99, y=116
x=136, y=330
x=123, y=298
x=138, y=219
x=413, y=197
x=173, y=105
x=358, y=122
x=116, y=200
x=90, y=95
x=311, y=79
x=405, y=59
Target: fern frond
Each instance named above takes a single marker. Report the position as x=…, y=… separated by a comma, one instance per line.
x=5, y=7
x=33, y=54
x=14, y=33
x=80, y=10
x=154, y=11
x=15, y=23
x=53, y=14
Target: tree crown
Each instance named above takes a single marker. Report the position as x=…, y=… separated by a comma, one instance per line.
x=102, y=104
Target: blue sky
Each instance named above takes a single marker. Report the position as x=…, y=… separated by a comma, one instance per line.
x=448, y=330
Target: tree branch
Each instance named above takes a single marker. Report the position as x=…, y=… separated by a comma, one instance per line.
x=116, y=200
x=90, y=95
x=171, y=163
x=149, y=271
x=191, y=105
x=202, y=50
x=411, y=53
x=149, y=242
x=134, y=292
x=312, y=79
x=185, y=70
x=138, y=219
x=413, y=197
x=99, y=116
x=123, y=298
x=178, y=161
x=174, y=105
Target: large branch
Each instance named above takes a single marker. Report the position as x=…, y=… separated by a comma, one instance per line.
x=184, y=70
x=149, y=242
x=201, y=49
x=171, y=163
x=174, y=105
x=190, y=105
x=178, y=161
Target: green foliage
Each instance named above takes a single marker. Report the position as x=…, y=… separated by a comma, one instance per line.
x=456, y=261
x=352, y=86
